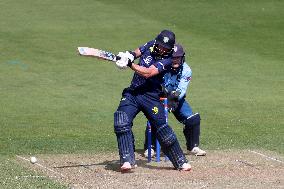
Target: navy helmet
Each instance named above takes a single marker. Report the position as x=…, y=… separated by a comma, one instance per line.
x=178, y=57
x=178, y=51
x=164, y=44
x=166, y=39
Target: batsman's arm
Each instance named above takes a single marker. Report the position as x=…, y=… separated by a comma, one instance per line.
x=145, y=72
x=137, y=53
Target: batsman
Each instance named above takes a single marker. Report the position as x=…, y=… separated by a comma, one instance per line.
x=176, y=83
x=143, y=94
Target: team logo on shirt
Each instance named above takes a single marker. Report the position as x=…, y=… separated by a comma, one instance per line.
x=188, y=78
x=166, y=39
x=155, y=110
x=148, y=59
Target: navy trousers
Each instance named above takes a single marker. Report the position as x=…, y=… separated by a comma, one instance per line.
x=130, y=105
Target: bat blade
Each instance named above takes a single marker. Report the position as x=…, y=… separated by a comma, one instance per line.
x=87, y=51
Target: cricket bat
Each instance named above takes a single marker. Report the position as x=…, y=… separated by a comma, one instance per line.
x=98, y=53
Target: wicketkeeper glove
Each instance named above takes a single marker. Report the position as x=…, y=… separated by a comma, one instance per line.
x=173, y=100
x=174, y=94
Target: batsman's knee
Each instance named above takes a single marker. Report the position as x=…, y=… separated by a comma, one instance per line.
x=193, y=120
x=166, y=135
x=121, y=122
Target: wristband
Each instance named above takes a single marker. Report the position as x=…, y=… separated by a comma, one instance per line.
x=133, y=53
x=129, y=64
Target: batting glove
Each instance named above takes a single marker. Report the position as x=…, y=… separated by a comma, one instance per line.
x=123, y=61
x=129, y=56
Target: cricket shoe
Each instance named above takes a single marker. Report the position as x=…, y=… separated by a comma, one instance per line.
x=185, y=167
x=197, y=152
x=126, y=167
x=152, y=153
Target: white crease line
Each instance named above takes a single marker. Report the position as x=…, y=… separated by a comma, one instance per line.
x=34, y=176
x=40, y=166
x=266, y=156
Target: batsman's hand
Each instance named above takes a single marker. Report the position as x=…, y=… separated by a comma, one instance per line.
x=123, y=61
x=126, y=60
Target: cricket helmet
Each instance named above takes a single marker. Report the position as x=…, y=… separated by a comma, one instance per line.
x=166, y=39
x=164, y=44
x=178, y=57
x=178, y=51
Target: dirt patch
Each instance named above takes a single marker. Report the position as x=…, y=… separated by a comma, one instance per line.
x=219, y=169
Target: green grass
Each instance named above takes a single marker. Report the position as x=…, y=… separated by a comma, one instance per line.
x=53, y=101
x=14, y=176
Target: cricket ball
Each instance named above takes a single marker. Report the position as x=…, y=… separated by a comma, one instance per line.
x=33, y=160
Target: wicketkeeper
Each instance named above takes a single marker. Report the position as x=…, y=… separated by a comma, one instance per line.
x=144, y=95
x=176, y=83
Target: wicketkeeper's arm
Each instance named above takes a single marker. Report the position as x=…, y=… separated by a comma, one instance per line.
x=184, y=84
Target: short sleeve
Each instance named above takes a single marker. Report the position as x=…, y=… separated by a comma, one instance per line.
x=163, y=65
